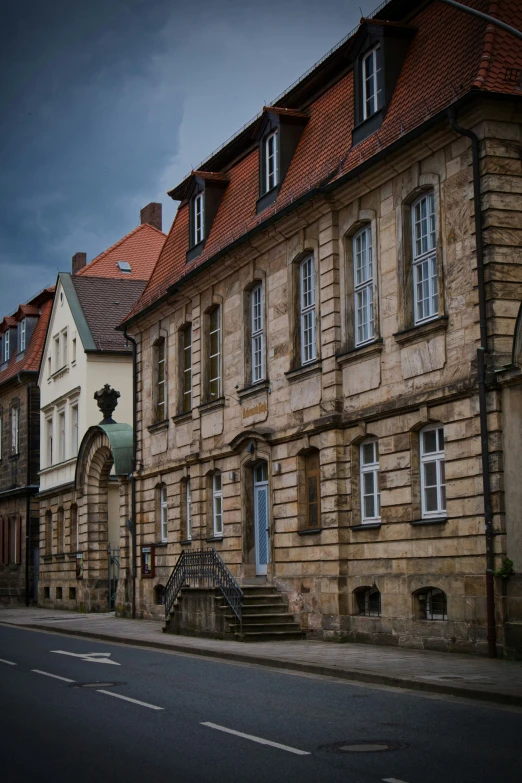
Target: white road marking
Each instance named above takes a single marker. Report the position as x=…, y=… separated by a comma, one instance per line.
x=54, y=676
x=257, y=739
x=393, y=780
x=9, y=663
x=134, y=701
x=96, y=657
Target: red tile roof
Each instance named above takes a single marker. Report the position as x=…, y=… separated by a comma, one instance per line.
x=451, y=54
x=41, y=305
x=141, y=248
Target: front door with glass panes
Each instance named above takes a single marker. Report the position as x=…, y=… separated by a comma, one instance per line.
x=261, y=517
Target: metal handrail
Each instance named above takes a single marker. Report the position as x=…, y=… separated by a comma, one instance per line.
x=203, y=568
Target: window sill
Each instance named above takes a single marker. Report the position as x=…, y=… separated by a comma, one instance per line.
x=307, y=370
x=212, y=404
x=417, y=333
x=367, y=526
x=213, y=538
x=49, y=468
x=186, y=542
x=434, y=521
x=47, y=558
x=310, y=531
x=180, y=417
x=58, y=373
x=160, y=544
x=14, y=457
x=60, y=555
x=159, y=426
x=255, y=388
x=73, y=555
x=361, y=352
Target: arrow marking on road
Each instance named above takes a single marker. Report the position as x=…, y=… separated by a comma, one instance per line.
x=95, y=657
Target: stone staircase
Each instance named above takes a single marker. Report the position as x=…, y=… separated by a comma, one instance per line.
x=265, y=617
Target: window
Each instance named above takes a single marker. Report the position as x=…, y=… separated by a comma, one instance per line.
x=61, y=436
x=15, y=429
x=433, y=479
x=198, y=218
x=363, y=286
x=49, y=427
x=49, y=367
x=432, y=604
x=214, y=375
x=313, y=490
x=14, y=539
x=64, y=348
x=74, y=528
x=74, y=430
x=23, y=334
x=426, y=299
x=159, y=595
x=186, y=358
x=161, y=408
x=257, y=347
x=56, y=350
x=73, y=350
x=271, y=167
x=1, y=432
x=217, y=505
x=368, y=601
x=372, y=92
x=60, y=532
x=124, y=266
x=186, y=510
x=307, y=296
x=164, y=514
x=6, y=346
x=370, y=495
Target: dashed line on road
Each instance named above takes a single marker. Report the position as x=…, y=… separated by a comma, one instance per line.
x=54, y=676
x=393, y=780
x=260, y=740
x=9, y=663
x=134, y=701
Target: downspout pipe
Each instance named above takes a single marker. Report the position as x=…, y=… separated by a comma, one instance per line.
x=28, y=499
x=134, y=465
x=482, y=387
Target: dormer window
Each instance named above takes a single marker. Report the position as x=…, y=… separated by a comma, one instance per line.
x=23, y=334
x=198, y=218
x=271, y=164
x=6, y=346
x=372, y=89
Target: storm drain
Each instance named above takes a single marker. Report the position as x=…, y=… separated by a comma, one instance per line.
x=366, y=746
x=95, y=684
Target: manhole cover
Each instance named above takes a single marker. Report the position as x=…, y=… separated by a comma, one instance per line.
x=95, y=684
x=366, y=746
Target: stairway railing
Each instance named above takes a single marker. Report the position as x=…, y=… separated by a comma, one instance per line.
x=203, y=568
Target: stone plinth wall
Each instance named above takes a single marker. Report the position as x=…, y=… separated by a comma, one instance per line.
x=196, y=613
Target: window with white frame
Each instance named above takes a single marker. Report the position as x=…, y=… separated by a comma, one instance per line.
x=61, y=436
x=15, y=429
x=217, y=505
x=49, y=367
x=56, y=352
x=372, y=92
x=64, y=347
x=49, y=438
x=74, y=430
x=363, y=285
x=186, y=344
x=432, y=469
x=198, y=218
x=257, y=327
x=271, y=167
x=426, y=298
x=214, y=354
x=164, y=514
x=307, y=304
x=370, y=493
x=6, y=346
x=23, y=334
x=73, y=350
x=161, y=408
x=188, y=511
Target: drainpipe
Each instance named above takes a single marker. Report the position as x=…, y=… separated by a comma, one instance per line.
x=133, y=474
x=482, y=387
x=28, y=498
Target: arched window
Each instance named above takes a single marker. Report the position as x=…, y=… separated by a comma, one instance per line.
x=312, y=489
x=431, y=604
x=60, y=532
x=424, y=258
x=217, y=504
x=186, y=368
x=214, y=354
x=48, y=532
x=307, y=310
x=159, y=595
x=363, y=273
x=432, y=470
x=73, y=527
x=160, y=379
x=368, y=601
x=370, y=493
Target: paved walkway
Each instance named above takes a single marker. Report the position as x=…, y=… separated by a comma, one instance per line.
x=458, y=675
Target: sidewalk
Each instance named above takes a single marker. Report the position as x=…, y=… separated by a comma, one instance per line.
x=456, y=675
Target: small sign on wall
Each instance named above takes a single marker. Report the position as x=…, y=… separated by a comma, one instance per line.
x=147, y=561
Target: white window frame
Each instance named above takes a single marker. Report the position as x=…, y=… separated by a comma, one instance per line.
x=217, y=501
x=56, y=352
x=424, y=259
x=73, y=342
x=62, y=445
x=436, y=457
x=217, y=379
x=161, y=363
x=187, y=369
x=23, y=334
x=188, y=510
x=308, y=312
x=363, y=286
x=258, y=334
x=370, y=468
x=64, y=347
x=198, y=216
x=74, y=429
x=15, y=429
x=164, y=514
x=371, y=80
x=6, y=345
x=271, y=162
x=49, y=439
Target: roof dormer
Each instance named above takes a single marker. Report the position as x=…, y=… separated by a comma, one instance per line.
x=8, y=330
x=379, y=54
x=277, y=133
x=203, y=192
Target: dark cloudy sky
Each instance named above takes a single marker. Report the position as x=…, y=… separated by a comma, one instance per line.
x=106, y=104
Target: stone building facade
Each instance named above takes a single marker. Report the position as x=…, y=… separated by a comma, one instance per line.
x=307, y=383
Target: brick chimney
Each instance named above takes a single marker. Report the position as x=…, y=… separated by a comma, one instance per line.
x=79, y=260
x=151, y=214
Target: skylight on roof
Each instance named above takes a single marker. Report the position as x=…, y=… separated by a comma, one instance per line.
x=124, y=266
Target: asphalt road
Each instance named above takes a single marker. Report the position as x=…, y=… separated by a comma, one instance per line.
x=169, y=717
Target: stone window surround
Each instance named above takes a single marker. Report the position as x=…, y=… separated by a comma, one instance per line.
x=307, y=247
x=257, y=277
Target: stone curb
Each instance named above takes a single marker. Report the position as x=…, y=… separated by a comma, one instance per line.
x=297, y=666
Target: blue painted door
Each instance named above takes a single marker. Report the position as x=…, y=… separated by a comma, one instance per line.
x=261, y=518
